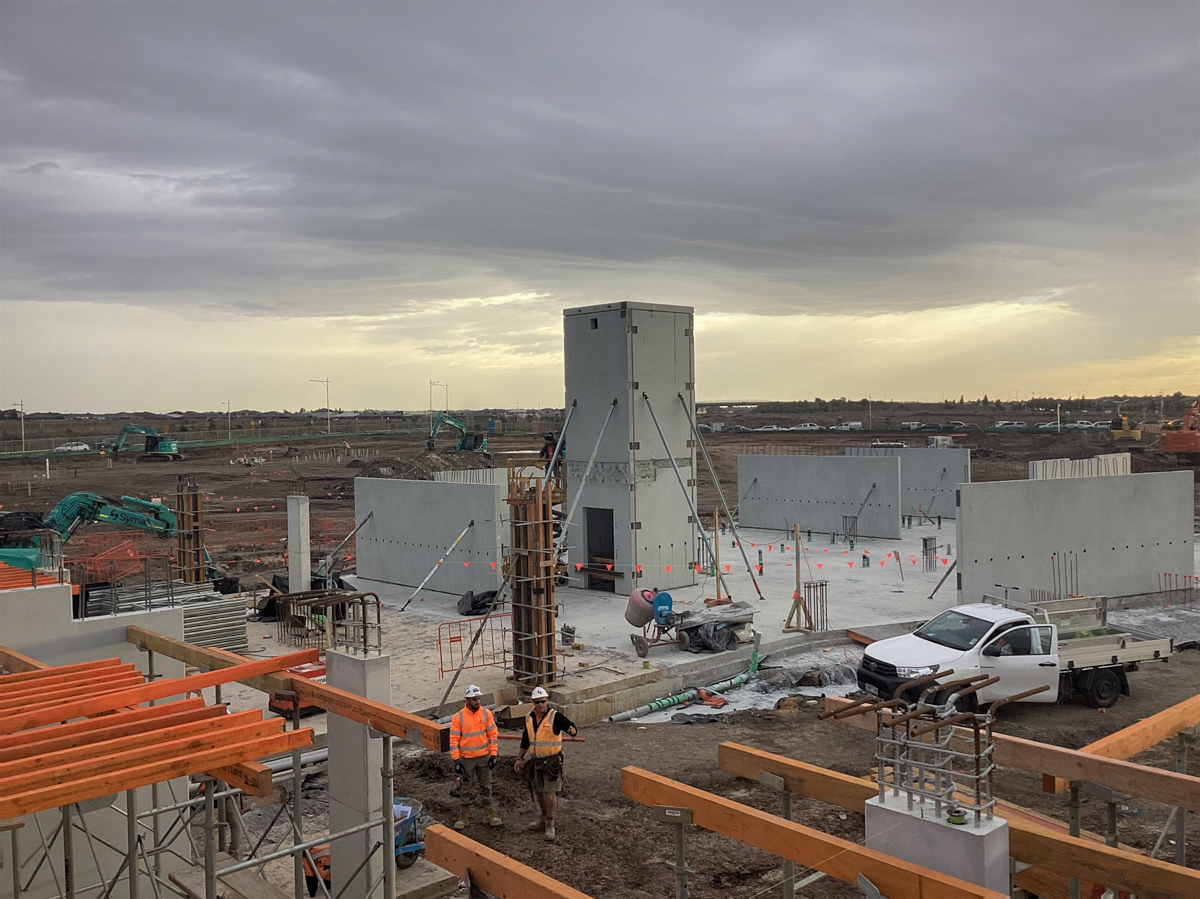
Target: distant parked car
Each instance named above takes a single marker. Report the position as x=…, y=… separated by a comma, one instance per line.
x=910, y=426
x=806, y=426
x=739, y=429
x=847, y=426
x=769, y=428
x=1101, y=425
x=1079, y=425
x=73, y=446
x=932, y=426
x=956, y=425
x=970, y=427
x=1008, y=426
x=1048, y=426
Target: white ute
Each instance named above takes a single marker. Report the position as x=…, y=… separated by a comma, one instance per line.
x=1062, y=644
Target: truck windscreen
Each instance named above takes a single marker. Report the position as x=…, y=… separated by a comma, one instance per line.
x=954, y=629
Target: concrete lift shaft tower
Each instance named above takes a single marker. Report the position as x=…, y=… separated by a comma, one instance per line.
x=633, y=515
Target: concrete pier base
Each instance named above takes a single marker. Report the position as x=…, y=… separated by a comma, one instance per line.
x=355, y=762
x=299, y=557
x=978, y=855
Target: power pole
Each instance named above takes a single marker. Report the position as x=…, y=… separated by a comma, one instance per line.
x=21, y=405
x=229, y=420
x=328, y=412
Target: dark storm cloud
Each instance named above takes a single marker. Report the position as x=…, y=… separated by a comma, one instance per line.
x=849, y=157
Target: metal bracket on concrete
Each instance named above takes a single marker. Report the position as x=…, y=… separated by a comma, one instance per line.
x=778, y=784
x=677, y=816
x=869, y=889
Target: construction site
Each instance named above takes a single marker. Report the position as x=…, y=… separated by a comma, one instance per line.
x=798, y=664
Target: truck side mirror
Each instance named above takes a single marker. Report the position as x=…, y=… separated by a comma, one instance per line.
x=992, y=650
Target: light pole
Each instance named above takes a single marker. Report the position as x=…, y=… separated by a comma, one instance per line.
x=328, y=413
x=433, y=384
x=22, y=407
x=229, y=420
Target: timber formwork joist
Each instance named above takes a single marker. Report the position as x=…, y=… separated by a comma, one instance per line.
x=49, y=760
x=381, y=717
x=530, y=502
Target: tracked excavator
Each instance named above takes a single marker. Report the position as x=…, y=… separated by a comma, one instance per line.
x=155, y=449
x=22, y=533
x=468, y=440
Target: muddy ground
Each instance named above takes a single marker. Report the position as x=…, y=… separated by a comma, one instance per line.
x=608, y=846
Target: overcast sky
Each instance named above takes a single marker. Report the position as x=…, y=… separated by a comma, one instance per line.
x=207, y=201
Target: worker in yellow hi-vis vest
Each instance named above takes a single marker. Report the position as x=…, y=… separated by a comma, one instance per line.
x=542, y=738
x=474, y=747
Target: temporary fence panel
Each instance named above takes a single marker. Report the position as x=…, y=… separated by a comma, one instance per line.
x=454, y=638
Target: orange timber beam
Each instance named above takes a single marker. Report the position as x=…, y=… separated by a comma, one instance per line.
x=1028, y=842
x=382, y=717
x=490, y=870
x=836, y=857
x=1129, y=741
x=16, y=805
x=41, y=714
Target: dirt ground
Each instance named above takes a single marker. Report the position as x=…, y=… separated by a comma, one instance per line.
x=609, y=847
x=236, y=491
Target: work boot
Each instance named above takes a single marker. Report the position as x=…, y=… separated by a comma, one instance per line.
x=539, y=824
x=550, y=831
x=490, y=817
x=463, y=819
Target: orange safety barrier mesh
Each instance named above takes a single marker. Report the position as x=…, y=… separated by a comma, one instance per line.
x=249, y=535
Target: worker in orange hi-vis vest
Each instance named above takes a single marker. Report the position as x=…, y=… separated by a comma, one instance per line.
x=474, y=746
x=321, y=859
x=543, y=738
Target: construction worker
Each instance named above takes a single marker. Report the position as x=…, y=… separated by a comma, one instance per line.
x=474, y=746
x=321, y=856
x=542, y=737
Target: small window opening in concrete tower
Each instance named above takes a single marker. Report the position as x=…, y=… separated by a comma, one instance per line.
x=593, y=323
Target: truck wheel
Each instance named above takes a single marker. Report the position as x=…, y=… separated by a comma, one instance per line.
x=966, y=703
x=1104, y=690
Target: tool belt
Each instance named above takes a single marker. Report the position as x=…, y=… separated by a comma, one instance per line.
x=550, y=766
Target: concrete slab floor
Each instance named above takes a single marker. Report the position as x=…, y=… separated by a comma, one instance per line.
x=858, y=595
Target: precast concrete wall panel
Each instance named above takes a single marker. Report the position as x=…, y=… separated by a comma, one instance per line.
x=815, y=492
x=929, y=477
x=414, y=522
x=1118, y=533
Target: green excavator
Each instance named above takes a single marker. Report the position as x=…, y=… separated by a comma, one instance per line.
x=156, y=448
x=468, y=441
x=22, y=533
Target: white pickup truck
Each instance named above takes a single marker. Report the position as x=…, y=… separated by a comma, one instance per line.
x=1063, y=644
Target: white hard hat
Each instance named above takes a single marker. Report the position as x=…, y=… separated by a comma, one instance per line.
x=473, y=692
x=539, y=693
